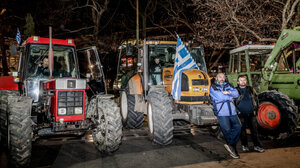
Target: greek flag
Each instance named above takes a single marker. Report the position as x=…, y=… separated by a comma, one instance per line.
x=18, y=36
x=183, y=61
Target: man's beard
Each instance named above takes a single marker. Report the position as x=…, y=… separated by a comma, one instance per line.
x=220, y=82
x=241, y=85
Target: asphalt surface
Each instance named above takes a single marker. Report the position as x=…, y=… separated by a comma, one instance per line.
x=136, y=150
x=190, y=146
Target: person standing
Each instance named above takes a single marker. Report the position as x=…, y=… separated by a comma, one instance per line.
x=247, y=105
x=222, y=95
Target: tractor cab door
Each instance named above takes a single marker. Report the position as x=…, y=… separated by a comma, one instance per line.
x=90, y=67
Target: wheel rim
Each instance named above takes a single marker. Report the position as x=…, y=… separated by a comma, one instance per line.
x=268, y=115
x=150, y=119
x=124, y=106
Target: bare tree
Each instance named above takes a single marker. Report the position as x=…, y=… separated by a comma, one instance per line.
x=148, y=9
x=289, y=8
x=97, y=8
x=240, y=21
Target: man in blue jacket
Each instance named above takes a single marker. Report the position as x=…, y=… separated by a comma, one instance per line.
x=222, y=95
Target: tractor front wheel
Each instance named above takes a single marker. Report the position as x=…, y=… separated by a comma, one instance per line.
x=160, y=119
x=107, y=133
x=19, y=131
x=277, y=115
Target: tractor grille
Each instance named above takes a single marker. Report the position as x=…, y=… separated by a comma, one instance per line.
x=194, y=98
x=200, y=82
x=70, y=100
x=184, y=83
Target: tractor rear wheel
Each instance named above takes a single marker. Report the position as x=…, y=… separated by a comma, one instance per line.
x=4, y=115
x=277, y=115
x=160, y=119
x=19, y=131
x=107, y=133
x=131, y=119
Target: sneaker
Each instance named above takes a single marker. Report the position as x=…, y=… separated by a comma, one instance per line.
x=237, y=153
x=245, y=148
x=231, y=151
x=258, y=149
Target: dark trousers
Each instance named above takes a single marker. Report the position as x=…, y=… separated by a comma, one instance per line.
x=231, y=128
x=251, y=123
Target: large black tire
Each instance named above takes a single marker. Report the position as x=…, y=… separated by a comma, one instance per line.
x=20, y=131
x=288, y=115
x=131, y=119
x=160, y=119
x=134, y=119
x=107, y=133
x=4, y=115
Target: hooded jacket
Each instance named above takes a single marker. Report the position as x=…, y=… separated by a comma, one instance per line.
x=223, y=105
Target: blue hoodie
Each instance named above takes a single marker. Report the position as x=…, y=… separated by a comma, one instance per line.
x=223, y=104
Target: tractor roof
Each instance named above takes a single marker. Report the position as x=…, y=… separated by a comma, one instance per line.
x=41, y=40
x=253, y=49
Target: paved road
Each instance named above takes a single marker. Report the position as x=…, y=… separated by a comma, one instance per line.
x=136, y=151
x=191, y=148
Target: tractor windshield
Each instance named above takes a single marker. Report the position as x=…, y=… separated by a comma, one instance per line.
x=167, y=53
x=198, y=54
x=163, y=56
x=63, y=57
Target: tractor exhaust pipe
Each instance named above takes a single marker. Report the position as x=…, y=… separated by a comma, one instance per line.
x=50, y=55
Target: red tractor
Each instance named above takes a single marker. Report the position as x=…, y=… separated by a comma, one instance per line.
x=57, y=90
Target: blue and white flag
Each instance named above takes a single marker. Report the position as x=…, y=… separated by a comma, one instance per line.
x=183, y=61
x=18, y=36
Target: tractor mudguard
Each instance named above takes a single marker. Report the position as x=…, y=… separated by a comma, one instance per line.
x=7, y=83
x=135, y=85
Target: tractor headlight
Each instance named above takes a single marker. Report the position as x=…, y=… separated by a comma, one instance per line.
x=62, y=111
x=196, y=89
x=117, y=85
x=204, y=89
x=78, y=110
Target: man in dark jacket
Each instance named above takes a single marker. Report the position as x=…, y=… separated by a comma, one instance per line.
x=43, y=68
x=247, y=105
x=222, y=95
x=156, y=71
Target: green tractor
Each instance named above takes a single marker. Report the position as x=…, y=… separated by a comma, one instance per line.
x=274, y=71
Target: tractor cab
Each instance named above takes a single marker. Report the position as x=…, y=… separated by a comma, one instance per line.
x=34, y=64
x=162, y=55
x=127, y=64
